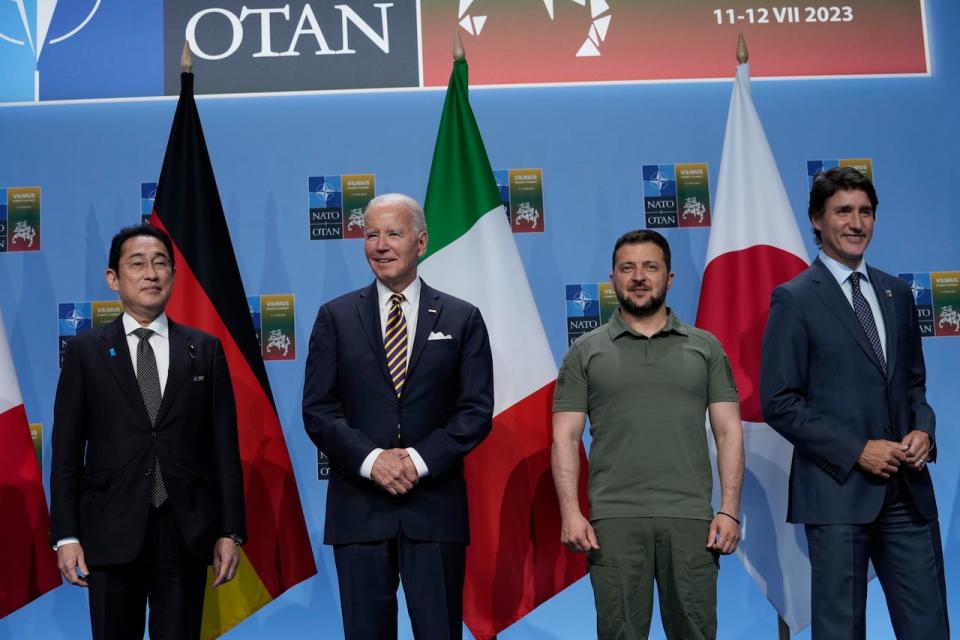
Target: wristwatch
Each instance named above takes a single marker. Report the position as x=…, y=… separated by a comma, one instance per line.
x=237, y=540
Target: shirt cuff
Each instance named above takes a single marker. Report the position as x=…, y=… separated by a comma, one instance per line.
x=63, y=541
x=418, y=462
x=367, y=467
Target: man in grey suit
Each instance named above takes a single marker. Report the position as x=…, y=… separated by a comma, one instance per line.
x=843, y=379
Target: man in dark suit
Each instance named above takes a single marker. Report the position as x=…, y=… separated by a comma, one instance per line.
x=146, y=484
x=843, y=380
x=398, y=390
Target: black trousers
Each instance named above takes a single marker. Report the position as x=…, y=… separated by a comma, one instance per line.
x=908, y=557
x=165, y=574
x=432, y=575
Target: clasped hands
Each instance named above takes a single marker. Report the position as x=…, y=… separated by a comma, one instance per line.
x=394, y=471
x=884, y=457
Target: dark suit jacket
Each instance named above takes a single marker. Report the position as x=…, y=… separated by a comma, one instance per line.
x=351, y=408
x=104, y=446
x=823, y=390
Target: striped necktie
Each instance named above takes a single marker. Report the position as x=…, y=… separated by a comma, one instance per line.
x=395, y=343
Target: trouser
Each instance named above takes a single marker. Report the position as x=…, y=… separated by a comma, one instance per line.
x=165, y=574
x=634, y=554
x=908, y=558
x=432, y=574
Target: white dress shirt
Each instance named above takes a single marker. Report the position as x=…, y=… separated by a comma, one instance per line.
x=842, y=273
x=411, y=309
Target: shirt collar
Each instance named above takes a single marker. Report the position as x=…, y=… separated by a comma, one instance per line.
x=617, y=327
x=411, y=293
x=841, y=271
x=159, y=326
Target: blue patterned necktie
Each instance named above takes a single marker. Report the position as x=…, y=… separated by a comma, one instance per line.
x=148, y=380
x=865, y=316
x=395, y=343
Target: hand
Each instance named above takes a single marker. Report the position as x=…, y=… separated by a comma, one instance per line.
x=226, y=559
x=882, y=457
x=390, y=472
x=577, y=534
x=409, y=469
x=69, y=558
x=916, y=446
x=724, y=534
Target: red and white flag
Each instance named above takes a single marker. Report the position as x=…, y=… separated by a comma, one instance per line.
x=29, y=567
x=755, y=246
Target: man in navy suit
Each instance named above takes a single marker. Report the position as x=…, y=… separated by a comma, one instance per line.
x=146, y=486
x=843, y=380
x=398, y=390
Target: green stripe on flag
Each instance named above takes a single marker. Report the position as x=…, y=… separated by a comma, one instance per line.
x=461, y=188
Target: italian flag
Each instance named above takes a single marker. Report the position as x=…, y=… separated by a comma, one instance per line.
x=515, y=560
x=754, y=247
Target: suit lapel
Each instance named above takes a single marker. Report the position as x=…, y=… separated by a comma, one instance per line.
x=117, y=359
x=182, y=351
x=430, y=308
x=888, y=309
x=832, y=295
x=368, y=310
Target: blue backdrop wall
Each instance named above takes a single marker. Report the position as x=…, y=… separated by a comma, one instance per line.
x=89, y=159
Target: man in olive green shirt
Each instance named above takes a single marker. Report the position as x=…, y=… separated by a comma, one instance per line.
x=646, y=379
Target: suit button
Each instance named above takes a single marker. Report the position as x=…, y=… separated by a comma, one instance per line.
x=148, y=471
x=887, y=430
x=154, y=433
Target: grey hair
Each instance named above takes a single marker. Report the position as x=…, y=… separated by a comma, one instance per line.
x=416, y=211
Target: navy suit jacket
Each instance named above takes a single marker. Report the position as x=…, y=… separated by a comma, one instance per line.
x=823, y=389
x=350, y=408
x=104, y=446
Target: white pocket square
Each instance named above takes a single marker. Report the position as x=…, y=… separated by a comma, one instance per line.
x=439, y=335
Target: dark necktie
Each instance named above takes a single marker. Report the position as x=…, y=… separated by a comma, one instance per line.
x=395, y=343
x=149, y=381
x=865, y=316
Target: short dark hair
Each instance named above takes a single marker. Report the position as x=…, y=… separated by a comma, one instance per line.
x=836, y=179
x=639, y=236
x=116, y=245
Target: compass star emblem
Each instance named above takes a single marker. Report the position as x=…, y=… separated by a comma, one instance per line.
x=75, y=318
x=581, y=300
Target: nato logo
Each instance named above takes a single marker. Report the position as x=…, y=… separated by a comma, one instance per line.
x=583, y=301
x=148, y=195
x=659, y=180
x=55, y=50
x=326, y=207
x=583, y=309
x=325, y=192
x=74, y=318
x=660, y=195
x=922, y=291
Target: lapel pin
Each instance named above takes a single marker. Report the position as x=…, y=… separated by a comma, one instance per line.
x=113, y=352
x=889, y=293
x=431, y=310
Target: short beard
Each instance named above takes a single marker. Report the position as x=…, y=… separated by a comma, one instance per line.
x=645, y=310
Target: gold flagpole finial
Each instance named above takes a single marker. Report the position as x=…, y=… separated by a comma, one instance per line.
x=458, y=52
x=742, y=54
x=186, y=60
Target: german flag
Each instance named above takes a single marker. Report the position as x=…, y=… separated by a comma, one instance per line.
x=209, y=295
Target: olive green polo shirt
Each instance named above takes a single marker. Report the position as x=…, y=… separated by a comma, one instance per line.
x=646, y=399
